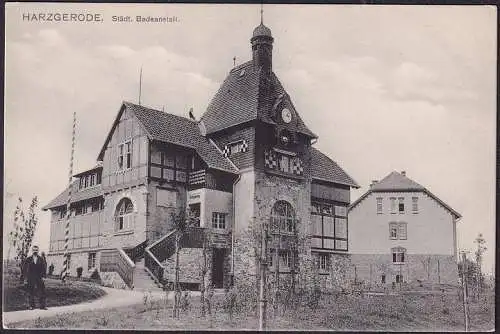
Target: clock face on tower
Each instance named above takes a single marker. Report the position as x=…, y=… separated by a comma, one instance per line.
x=286, y=115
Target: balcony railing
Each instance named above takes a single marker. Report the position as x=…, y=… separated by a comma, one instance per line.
x=197, y=177
x=118, y=261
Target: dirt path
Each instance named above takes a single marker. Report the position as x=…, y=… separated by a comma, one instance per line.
x=113, y=298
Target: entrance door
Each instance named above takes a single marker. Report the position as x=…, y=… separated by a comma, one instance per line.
x=218, y=268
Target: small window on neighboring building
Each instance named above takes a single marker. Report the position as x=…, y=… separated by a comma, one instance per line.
x=324, y=259
x=382, y=278
x=379, y=204
x=399, y=278
x=402, y=231
x=219, y=220
x=393, y=231
x=91, y=262
x=401, y=205
x=393, y=204
x=398, y=255
x=414, y=204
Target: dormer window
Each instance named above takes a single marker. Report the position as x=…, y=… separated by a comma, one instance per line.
x=89, y=180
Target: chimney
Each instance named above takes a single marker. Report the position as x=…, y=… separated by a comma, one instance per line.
x=403, y=172
x=373, y=183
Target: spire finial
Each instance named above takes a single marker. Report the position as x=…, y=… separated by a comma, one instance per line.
x=261, y=13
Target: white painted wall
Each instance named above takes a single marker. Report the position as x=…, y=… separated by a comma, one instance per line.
x=212, y=201
x=430, y=231
x=244, y=196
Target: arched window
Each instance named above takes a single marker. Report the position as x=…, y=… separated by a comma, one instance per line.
x=283, y=217
x=123, y=214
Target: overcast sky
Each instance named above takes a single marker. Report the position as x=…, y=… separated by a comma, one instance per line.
x=384, y=87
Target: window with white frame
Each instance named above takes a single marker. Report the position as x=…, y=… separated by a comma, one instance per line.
x=401, y=205
x=124, y=215
x=397, y=230
x=125, y=155
x=324, y=260
x=393, y=231
x=219, y=220
x=402, y=231
x=398, y=254
x=379, y=204
x=393, y=204
x=414, y=204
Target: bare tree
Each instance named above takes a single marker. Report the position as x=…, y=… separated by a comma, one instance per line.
x=182, y=221
x=204, y=267
x=481, y=248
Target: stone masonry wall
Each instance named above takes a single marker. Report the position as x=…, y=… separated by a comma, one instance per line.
x=190, y=260
x=371, y=267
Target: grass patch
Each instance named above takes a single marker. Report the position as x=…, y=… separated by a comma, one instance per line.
x=16, y=295
x=334, y=312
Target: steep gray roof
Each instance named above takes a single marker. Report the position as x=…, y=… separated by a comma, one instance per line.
x=325, y=169
x=173, y=129
x=398, y=182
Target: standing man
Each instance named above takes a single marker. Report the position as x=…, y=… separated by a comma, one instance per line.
x=35, y=271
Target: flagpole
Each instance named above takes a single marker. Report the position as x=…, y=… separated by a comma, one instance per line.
x=140, y=86
x=68, y=204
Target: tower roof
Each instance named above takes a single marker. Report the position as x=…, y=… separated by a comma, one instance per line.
x=261, y=30
x=240, y=99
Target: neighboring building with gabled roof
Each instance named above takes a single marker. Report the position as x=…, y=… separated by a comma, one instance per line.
x=403, y=234
x=249, y=159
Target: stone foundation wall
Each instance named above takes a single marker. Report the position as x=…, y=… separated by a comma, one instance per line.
x=190, y=261
x=78, y=259
x=417, y=267
x=113, y=280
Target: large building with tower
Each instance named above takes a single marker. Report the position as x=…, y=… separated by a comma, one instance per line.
x=249, y=161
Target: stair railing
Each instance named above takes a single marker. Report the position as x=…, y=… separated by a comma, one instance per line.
x=118, y=261
x=137, y=252
x=156, y=253
x=163, y=248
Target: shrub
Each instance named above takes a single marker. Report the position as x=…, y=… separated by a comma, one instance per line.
x=95, y=274
x=51, y=269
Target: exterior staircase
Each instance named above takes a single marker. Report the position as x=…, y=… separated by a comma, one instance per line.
x=143, y=280
x=158, y=257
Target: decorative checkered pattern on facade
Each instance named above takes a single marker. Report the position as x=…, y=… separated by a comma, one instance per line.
x=297, y=167
x=271, y=159
x=239, y=146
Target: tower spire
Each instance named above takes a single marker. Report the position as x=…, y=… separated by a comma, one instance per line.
x=261, y=13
